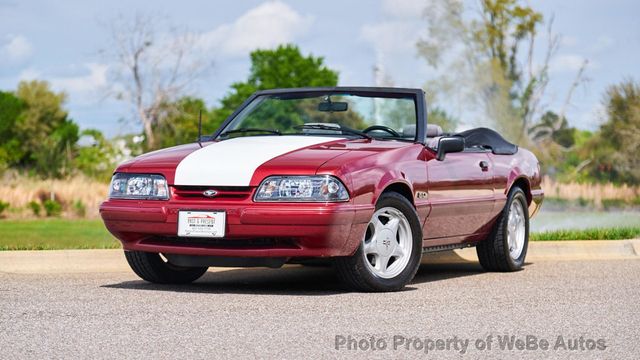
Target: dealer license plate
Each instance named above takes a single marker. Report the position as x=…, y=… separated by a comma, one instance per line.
x=201, y=223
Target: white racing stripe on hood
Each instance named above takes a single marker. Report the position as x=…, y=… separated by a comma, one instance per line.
x=232, y=162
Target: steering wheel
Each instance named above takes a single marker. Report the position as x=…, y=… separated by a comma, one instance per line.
x=381, y=128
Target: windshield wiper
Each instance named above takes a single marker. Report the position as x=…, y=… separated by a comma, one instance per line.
x=334, y=127
x=246, y=130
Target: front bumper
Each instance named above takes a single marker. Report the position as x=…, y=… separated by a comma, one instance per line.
x=252, y=229
x=537, y=196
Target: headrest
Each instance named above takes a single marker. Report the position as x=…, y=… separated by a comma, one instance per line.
x=409, y=131
x=434, y=130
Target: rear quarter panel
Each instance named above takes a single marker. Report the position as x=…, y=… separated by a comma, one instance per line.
x=522, y=168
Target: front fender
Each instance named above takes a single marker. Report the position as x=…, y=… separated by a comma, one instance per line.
x=392, y=180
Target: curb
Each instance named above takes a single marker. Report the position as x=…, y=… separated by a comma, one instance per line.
x=109, y=261
x=556, y=251
x=63, y=261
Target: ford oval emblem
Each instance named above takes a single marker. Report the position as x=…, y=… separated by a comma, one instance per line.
x=210, y=193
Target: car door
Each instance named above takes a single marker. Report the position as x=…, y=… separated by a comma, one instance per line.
x=460, y=191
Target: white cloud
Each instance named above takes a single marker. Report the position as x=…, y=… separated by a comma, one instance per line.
x=265, y=26
x=28, y=74
x=602, y=44
x=93, y=81
x=83, y=89
x=16, y=48
x=394, y=46
x=391, y=37
x=567, y=63
x=404, y=8
x=568, y=40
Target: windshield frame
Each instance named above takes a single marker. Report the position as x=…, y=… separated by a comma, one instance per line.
x=393, y=93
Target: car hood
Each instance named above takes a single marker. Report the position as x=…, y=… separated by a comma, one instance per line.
x=246, y=161
x=234, y=162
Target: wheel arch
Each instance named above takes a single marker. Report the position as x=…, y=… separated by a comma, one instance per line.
x=523, y=183
x=401, y=188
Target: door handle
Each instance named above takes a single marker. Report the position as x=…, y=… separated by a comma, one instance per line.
x=484, y=165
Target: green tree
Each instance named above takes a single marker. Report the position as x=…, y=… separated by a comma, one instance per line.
x=285, y=114
x=54, y=157
x=46, y=135
x=492, y=51
x=180, y=125
x=308, y=109
x=614, y=149
x=552, y=126
x=439, y=116
x=11, y=108
x=571, y=163
x=96, y=160
x=283, y=67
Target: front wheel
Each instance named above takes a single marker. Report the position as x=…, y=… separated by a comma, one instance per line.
x=153, y=268
x=389, y=255
x=506, y=247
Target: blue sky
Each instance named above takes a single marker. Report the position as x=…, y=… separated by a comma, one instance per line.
x=61, y=42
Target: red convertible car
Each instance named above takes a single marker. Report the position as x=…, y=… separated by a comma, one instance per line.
x=352, y=175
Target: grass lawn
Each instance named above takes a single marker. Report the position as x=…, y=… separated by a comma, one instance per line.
x=619, y=233
x=50, y=234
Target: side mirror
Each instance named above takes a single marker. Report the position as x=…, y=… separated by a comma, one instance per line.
x=449, y=144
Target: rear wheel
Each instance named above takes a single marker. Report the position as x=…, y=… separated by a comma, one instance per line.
x=153, y=268
x=389, y=255
x=506, y=247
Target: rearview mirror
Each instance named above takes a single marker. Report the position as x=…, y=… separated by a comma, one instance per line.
x=333, y=106
x=449, y=144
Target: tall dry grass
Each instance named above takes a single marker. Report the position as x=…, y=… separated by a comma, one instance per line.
x=595, y=193
x=18, y=191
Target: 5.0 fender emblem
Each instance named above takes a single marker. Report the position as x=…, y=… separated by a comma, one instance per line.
x=210, y=193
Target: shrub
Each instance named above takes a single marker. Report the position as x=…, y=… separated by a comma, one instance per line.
x=3, y=206
x=584, y=202
x=44, y=195
x=35, y=207
x=79, y=208
x=613, y=203
x=52, y=208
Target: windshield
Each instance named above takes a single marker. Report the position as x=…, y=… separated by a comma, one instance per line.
x=330, y=114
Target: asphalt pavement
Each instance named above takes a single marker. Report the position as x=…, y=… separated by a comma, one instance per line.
x=573, y=309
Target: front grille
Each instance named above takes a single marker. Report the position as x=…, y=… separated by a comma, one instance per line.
x=223, y=192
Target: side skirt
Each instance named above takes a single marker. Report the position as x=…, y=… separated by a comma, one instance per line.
x=437, y=248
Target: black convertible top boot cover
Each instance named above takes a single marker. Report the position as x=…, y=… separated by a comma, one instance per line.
x=487, y=138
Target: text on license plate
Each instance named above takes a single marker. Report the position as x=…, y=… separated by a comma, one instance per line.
x=201, y=223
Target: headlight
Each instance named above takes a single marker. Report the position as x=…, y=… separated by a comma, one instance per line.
x=302, y=189
x=138, y=186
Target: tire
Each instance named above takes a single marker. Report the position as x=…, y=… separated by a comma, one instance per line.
x=382, y=261
x=151, y=267
x=496, y=253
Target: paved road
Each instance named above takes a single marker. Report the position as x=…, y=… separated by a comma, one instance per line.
x=300, y=312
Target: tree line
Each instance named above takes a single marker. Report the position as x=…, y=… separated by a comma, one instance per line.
x=38, y=137
x=490, y=51
x=486, y=54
